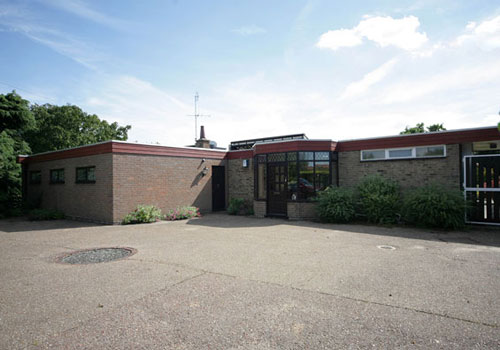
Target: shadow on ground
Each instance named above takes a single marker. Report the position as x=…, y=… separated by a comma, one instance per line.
x=488, y=236
x=21, y=224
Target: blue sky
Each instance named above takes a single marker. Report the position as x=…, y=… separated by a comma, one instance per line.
x=332, y=69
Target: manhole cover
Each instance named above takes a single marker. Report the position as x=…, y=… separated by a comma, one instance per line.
x=96, y=255
x=388, y=247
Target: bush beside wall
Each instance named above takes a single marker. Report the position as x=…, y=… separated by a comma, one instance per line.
x=336, y=205
x=434, y=206
x=379, y=199
x=143, y=214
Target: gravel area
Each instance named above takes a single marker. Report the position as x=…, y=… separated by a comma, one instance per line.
x=94, y=256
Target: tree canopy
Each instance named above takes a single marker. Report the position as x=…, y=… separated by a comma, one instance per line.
x=420, y=128
x=59, y=127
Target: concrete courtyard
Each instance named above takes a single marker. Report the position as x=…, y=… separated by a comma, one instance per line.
x=224, y=282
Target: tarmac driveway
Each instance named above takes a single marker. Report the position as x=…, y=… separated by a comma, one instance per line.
x=225, y=282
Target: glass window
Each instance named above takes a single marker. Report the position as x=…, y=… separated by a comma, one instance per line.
x=261, y=158
x=322, y=175
x=276, y=157
x=322, y=156
x=306, y=155
x=85, y=175
x=261, y=181
x=292, y=180
x=35, y=177
x=292, y=156
x=430, y=151
x=57, y=176
x=372, y=155
x=306, y=180
x=400, y=153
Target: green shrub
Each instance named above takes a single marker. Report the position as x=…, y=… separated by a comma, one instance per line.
x=434, y=206
x=239, y=206
x=45, y=214
x=181, y=213
x=336, y=205
x=379, y=199
x=143, y=214
x=235, y=206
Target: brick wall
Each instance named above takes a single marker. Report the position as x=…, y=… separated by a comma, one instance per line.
x=301, y=211
x=260, y=208
x=91, y=201
x=240, y=180
x=166, y=182
x=409, y=173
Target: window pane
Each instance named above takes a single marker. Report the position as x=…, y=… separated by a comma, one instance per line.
x=81, y=174
x=322, y=156
x=261, y=181
x=292, y=180
x=276, y=157
x=261, y=158
x=400, y=153
x=322, y=175
x=292, y=156
x=306, y=155
x=91, y=174
x=368, y=155
x=306, y=180
x=35, y=177
x=433, y=151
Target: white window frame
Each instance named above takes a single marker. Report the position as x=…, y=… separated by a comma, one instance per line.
x=413, y=153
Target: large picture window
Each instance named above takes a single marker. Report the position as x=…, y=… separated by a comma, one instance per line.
x=307, y=173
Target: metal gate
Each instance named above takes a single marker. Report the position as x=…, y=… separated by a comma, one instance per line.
x=482, y=189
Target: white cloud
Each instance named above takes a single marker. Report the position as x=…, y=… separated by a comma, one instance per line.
x=359, y=87
x=20, y=20
x=249, y=30
x=81, y=9
x=335, y=39
x=486, y=34
x=384, y=31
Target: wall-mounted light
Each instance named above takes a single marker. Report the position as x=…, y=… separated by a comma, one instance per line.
x=203, y=160
x=245, y=163
x=204, y=171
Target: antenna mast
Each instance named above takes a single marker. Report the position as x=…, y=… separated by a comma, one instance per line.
x=196, y=115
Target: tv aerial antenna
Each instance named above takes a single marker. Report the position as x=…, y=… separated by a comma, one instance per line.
x=196, y=115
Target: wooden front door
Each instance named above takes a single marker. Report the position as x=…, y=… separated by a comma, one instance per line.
x=218, y=188
x=277, y=189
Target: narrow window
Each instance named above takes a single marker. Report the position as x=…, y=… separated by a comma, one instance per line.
x=85, y=175
x=57, y=176
x=306, y=180
x=35, y=177
x=430, y=151
x=400, y=153
x=322, y=175
x=373, y=155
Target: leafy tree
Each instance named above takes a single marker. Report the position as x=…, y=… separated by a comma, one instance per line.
x=59, y=127
x=15, y=120
x=14, y=112
x=420, y=128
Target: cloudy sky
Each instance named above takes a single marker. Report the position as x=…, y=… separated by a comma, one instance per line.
x=331, y=69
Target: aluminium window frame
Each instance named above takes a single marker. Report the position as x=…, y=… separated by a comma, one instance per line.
x=413, y=153
x=30, y=179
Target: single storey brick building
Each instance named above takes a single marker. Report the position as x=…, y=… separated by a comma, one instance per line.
x=279, y=175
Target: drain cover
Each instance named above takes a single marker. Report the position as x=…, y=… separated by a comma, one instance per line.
x=96, y=255
x=388, y=247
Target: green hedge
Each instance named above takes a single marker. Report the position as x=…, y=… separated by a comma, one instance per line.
x=336, y=205
x=379, y=199
x=434, y=206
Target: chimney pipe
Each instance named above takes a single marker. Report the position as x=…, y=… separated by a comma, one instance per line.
x=202, y=133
